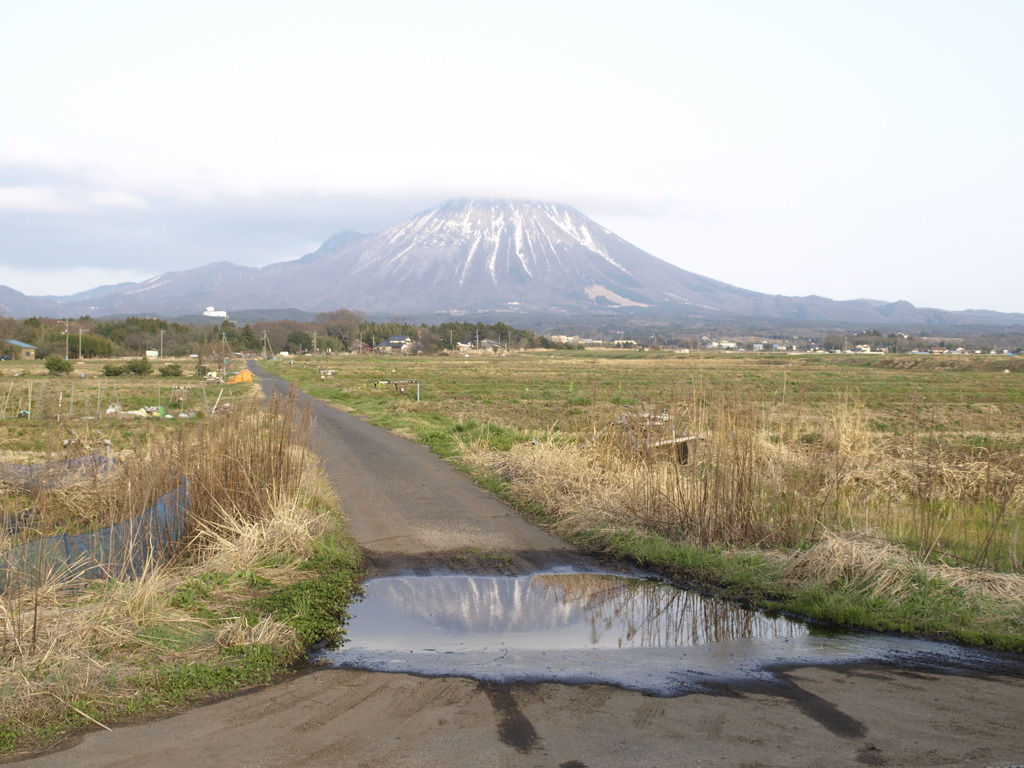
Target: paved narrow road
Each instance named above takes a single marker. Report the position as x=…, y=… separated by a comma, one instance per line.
x=406, y=506
x=409, y=510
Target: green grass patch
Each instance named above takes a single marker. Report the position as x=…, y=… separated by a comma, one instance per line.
x=236, y=667
x=316, y=607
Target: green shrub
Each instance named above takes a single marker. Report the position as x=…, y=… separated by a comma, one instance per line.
x=57, y=365
x=113, y=369
x=171, y=370
x=139, y=367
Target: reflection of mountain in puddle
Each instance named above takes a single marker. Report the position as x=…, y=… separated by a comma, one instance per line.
x=574, y=610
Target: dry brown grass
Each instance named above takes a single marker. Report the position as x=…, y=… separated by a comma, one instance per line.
x=879, y=567
x=266, y=631
x=773, y=477
x=233, y=543
x=258, y=493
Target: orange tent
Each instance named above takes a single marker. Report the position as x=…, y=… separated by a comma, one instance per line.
x=241, y=376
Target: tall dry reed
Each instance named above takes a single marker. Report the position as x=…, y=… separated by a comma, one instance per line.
x=773, y=476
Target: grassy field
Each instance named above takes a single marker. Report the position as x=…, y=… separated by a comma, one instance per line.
x=894, y=478
x=568, y=391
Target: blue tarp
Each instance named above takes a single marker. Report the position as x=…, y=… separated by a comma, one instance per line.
x=121, y=551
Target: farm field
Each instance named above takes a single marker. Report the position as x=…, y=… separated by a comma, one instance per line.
x=568, y=391
x=897, y=479
x=31, y=400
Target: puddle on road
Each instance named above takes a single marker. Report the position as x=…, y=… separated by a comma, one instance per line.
x=589, y=628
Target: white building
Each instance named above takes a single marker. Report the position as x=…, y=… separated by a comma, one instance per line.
x=211, y=312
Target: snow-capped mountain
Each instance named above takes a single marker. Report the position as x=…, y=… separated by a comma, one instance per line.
x=472, y=255
x=479, y=257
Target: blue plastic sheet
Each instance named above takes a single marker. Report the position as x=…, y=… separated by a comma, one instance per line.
x=122, y=550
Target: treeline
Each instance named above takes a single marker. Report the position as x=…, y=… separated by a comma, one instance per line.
x=334, y=332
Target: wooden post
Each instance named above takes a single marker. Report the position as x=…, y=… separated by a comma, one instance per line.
x=7, y=399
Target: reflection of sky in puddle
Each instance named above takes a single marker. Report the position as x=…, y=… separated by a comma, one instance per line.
x=572, y=610
x=585, y=627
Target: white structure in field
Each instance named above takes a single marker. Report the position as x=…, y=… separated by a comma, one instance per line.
x=211, y=312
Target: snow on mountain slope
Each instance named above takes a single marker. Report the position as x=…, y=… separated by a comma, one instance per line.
x=489, y=254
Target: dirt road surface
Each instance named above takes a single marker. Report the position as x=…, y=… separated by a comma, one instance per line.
x=408, y=509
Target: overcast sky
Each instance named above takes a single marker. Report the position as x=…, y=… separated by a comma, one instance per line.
x=841, y=148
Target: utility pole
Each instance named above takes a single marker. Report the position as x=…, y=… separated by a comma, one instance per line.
x=161, y=343
x=79, y=339
x=66, y=323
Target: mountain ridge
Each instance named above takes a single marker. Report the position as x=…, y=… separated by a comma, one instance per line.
x=479, y=256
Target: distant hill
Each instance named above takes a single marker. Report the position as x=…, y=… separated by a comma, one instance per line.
x=16, y=304
x=481, y=257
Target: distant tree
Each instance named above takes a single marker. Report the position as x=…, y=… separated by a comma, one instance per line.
x=342, y=324
x=95, y=346
x=228, y=332
x=248, y=340
x=429, y=341
x=298, y=341
x=835, y=341
x=133, y=334
x=171, y=370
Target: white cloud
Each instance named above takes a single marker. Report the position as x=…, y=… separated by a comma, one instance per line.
x=115, y=199
x=66, y=200
x=32, y=199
